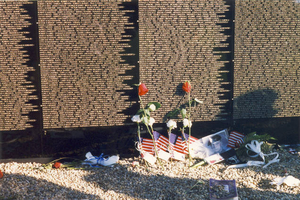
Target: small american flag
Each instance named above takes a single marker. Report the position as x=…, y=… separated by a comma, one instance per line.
x=181, y=145
x=177, y=144
x=192, y=140
x=172, y=141
x=161, y=141
x=147, y=145
x=235, y=139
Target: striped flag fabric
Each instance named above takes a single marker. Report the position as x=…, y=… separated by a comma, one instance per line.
x=147, y=145
x=172, y=138
x=177, y=144
x=192, y=139
x=181, y=145
x=161, y=141
x=235, y=139
x=176, y=147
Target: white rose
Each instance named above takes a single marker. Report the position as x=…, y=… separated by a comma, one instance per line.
x=145, y=120
x=152, y=107
x=151, y=121
x=136, y=118
x=171, y=124
x=187, y=122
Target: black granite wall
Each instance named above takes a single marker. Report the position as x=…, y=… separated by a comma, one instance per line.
x=185, y=41
x=266, y=59
x=18, y=92
x=67, y=69
x=83, y=72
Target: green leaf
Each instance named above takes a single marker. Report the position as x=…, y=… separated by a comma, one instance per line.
x=253, y=136
x=267, y=147
x=147, y=111
x=142, y=112
x=241, y=151
x=137, y=85
x=185, y=105
x=157, y=105
x=173, y=114
x=249, y=137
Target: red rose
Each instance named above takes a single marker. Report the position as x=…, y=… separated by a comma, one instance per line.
x=57, y=165
x=142, y=89
x=1, y=174
x=187, y=86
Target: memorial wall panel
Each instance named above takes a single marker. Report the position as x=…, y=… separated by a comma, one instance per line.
x=83, y=47
x=183, y=41
x=82, y=68
x=266, y=59
x=16, y=89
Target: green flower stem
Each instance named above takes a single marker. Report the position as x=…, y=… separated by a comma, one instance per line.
x=156, y=153
x=169, y=134
x=140, y=141
x=190, y=127
x=182, y=132
x=151, y=133
x=71, y=165
x=139, y=132
x=183, y=135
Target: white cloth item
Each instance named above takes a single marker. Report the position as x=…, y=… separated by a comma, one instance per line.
x=255, y=146
x=101, y=160
x=288, y=180
x=249, y=163
x=89, y=156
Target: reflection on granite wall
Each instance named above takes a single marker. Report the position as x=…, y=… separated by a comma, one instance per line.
x=82, y=71
x=267, y=59
x=183, y=41
x=16, y=90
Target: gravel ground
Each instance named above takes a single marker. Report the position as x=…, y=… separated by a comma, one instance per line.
x=123, y=181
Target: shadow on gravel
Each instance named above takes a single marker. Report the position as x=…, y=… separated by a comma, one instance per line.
x=169, y=188
x=12, y=187
x=123, y=182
